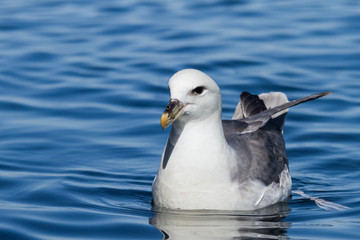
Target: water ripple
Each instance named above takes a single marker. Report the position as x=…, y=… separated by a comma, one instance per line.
x=83, y=85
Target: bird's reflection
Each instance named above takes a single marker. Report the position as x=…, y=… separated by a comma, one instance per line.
x=266, y=223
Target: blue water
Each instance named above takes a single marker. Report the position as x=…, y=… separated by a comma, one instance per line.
x=83, y=85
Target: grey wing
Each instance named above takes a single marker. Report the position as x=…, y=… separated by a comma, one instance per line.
x=256, y=136
x=260, y=119
x=261, y=154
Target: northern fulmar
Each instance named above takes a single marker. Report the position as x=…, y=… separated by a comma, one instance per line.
x=209, y=163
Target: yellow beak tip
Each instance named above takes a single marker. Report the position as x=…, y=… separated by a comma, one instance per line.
x=164, y=120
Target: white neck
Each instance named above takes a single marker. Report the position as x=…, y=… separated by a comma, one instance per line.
x=200, y=151
x=203, y=135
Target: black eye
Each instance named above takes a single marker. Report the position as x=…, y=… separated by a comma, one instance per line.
x=198, y=90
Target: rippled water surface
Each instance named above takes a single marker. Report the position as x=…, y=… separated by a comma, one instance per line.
x=83, y=85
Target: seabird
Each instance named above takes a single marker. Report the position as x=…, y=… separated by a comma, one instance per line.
x=209, y=163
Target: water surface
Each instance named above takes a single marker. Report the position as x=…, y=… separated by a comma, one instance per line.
x=83, y=85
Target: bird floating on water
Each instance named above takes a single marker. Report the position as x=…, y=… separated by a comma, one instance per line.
x=209, y=163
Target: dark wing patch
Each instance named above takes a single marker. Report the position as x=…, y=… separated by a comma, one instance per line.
x=251, y=104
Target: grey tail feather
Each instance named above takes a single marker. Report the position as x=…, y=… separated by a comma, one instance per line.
x=272, y=111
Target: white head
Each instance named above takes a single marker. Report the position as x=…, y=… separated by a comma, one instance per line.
x=194, y=96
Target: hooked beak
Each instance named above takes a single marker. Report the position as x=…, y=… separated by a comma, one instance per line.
x=173, y=111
